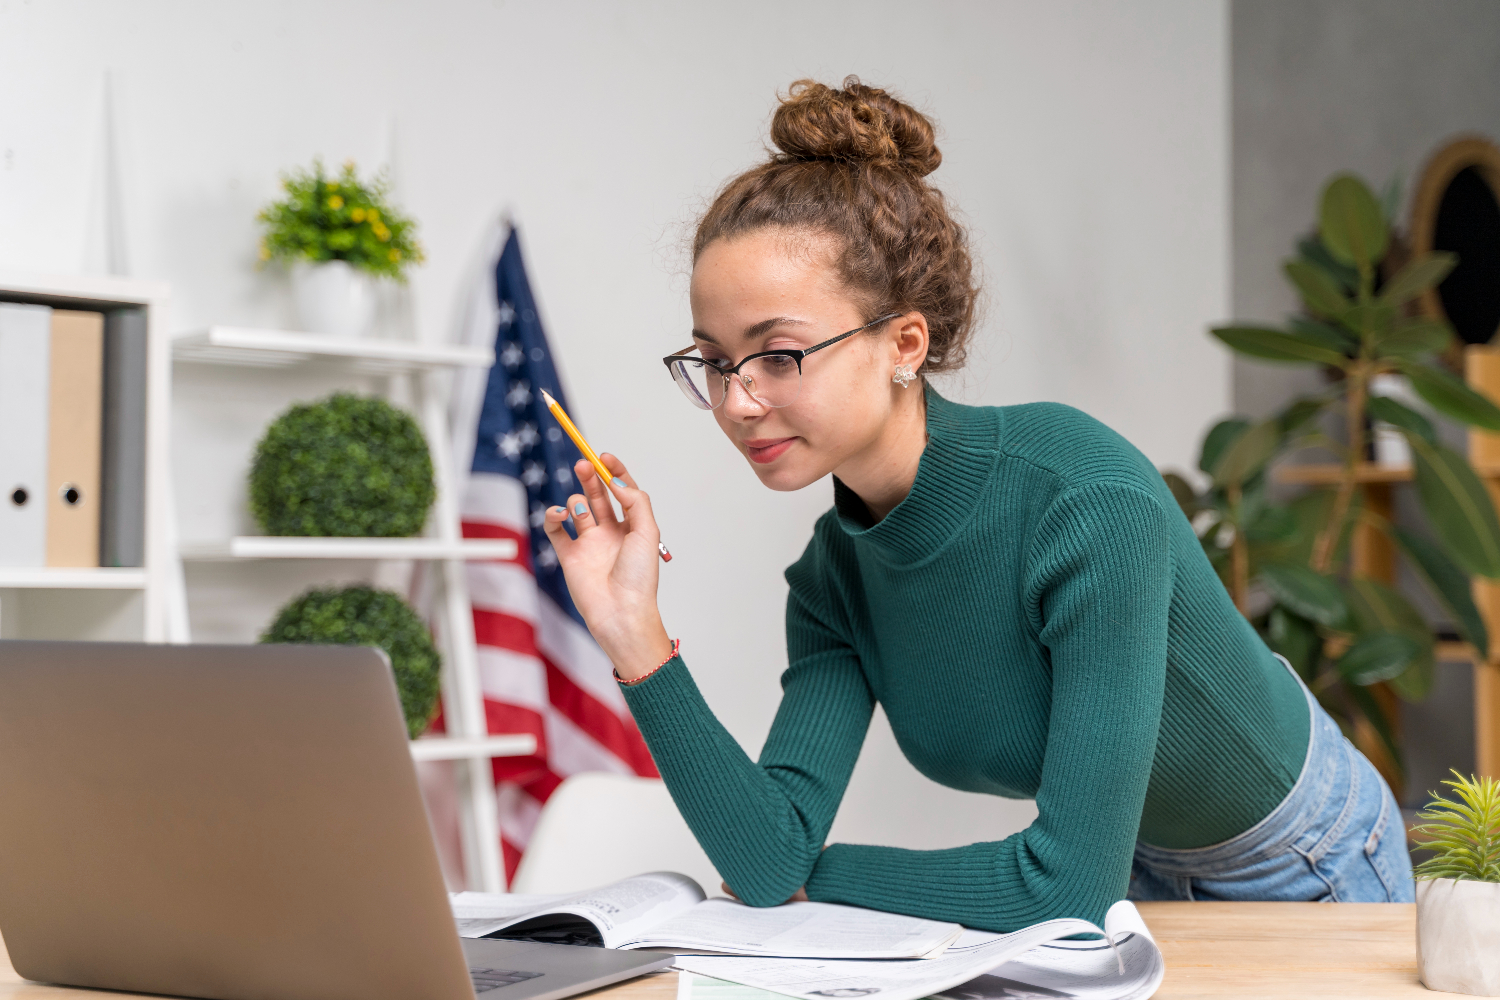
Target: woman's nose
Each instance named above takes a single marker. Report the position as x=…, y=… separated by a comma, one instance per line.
x=738, y=403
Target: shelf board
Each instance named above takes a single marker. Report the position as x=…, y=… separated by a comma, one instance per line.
x=232, y=345
x=81, y=578
x=446, y=748
x=1331, y=474
x=288, y=547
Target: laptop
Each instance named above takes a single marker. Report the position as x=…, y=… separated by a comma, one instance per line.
x=236, y=823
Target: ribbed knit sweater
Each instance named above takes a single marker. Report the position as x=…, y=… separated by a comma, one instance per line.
x=1037, y=620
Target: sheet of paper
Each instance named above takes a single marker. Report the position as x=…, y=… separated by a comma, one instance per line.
x=1083, y=971
x=800, y=930
x=479, y=913
x=695, y=987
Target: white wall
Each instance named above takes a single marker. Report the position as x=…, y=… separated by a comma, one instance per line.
x=1085, y=141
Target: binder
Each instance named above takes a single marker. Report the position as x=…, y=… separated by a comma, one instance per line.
x=25, y=346
x=122, y=525
x=74, y=408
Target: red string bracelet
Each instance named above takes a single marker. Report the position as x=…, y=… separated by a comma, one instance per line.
x=676, y=643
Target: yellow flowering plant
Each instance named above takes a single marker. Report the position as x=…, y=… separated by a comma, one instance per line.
x=339, y=217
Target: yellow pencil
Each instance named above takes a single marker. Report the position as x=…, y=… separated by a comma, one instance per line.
x=571, y=430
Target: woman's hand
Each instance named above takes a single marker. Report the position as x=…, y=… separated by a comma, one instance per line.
x=612, y=567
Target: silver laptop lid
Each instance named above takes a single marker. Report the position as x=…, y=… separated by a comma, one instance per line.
x=235, y=822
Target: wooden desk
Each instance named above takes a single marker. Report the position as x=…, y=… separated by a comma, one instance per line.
x=1252, y=950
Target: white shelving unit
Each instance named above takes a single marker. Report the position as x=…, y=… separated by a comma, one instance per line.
x=158, y=580
x=468, y=742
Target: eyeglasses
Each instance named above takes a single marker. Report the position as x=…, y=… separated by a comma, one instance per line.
x=771, y=378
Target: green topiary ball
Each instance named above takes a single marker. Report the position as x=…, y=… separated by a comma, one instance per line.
x=363, y=616
x=348, y=465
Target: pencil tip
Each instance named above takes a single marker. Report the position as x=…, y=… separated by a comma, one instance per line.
x=547, y=397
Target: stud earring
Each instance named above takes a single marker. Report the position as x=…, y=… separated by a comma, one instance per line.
x=903, y=375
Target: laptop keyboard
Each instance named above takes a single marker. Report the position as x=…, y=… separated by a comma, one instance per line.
x=492, y=979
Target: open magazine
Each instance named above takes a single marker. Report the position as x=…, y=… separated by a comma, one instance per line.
x=669, y=911
x=1124, y=963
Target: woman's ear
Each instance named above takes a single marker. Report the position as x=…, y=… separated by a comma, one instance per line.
x=909, y=333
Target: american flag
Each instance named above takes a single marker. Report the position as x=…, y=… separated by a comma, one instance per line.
x=540, y=669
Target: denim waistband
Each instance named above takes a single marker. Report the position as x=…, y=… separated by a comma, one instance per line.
x=1283, y=826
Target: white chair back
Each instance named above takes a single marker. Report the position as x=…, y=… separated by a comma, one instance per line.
x=597, y=828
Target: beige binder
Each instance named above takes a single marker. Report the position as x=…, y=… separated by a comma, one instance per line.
x=73, y=434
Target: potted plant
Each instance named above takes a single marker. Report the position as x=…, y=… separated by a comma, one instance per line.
x=1458, y=890
x=337, y=233
x=363, y=616
x=1358, y=643
x=346, y=466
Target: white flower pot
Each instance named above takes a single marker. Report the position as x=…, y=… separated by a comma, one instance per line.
x=1458, y=936
x=333, y=298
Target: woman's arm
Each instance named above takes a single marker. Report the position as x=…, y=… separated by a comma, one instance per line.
x=762, y=824
x=1099, y=589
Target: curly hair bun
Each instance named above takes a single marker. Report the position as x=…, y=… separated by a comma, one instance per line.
x=857, y=124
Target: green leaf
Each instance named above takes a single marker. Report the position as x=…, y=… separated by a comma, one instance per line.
x=1320, y=292
x=1276, y=345
x=1415, y=337
x=1329, y=336
x=1378, y=608
x=1296, y=415
x=1459, y=507
x=1449, y=582
x=1371, y=710
x=1351, y=223
x=1378, y=656
x=1219, y=437
x=1306, y=593
x=1295, y=638
x=1183, y=493
x=1419, y=274
x=1450, y=396
x=1314, y=252
x=1271, y=524
x=1404, y=417
x=1247, y=454
x=1372, y=320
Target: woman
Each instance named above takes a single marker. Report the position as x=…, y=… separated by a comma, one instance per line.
x=1014, y=585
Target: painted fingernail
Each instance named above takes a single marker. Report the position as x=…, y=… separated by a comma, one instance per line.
x=580, y=509
x=560, y=510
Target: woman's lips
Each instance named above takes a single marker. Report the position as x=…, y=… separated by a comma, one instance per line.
x=763, y=450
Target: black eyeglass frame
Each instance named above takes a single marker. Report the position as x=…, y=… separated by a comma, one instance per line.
x=793, y=353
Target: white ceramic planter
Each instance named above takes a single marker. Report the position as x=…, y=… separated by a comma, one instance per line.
x=333, y=298
x=1458, y=936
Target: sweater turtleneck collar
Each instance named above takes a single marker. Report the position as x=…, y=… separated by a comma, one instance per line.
x=955, y=466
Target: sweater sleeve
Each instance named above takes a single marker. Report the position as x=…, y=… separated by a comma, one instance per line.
x=762, y=824
x=1097, y=587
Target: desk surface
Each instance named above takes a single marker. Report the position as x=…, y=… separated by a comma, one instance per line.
x=1259, y=950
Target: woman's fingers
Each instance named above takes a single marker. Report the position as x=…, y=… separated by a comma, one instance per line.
x=617, y=469
x=593, y=485
x=552, y=525
x=582, y=514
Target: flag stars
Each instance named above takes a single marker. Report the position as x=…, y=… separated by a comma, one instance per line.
x=554, y=434
x=534, y=475
x=546, y=557
x=538, y=515
x=509, y=445
x=519, y=394
x=527, y=435
x=537, y=354
x=507, y=314
x=512, y=355
x=563, y=475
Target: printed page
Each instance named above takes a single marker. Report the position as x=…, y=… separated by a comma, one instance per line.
x=620, y=911
x=479, y=913
x=799, y=930
x=979, y=966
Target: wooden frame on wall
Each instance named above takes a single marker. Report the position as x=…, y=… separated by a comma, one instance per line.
x=1453, y=158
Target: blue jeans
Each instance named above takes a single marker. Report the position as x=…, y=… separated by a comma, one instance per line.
x=1337, y=837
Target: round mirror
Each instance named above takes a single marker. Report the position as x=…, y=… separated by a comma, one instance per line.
x=1457, y=209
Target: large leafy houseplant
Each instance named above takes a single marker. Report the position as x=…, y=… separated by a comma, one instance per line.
x=1357, y=642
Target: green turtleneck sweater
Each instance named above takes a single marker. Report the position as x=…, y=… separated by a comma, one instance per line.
x=1037, y=620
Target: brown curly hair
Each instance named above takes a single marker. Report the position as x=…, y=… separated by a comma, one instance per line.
x=851, y=164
